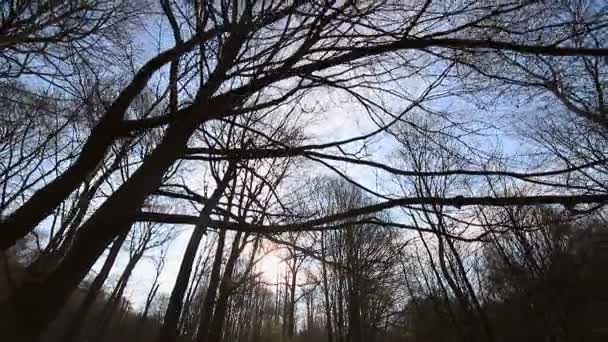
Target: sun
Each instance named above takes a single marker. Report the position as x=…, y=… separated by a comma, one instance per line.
x=272, y=267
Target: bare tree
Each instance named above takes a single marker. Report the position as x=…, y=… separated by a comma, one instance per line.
x=262, y=67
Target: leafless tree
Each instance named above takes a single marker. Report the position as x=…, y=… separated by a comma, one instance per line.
x=263, y=67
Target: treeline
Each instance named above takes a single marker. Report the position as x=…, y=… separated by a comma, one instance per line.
x=534, y=283
x=539, y=277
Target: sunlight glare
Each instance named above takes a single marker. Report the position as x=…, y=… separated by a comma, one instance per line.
x=271, y=266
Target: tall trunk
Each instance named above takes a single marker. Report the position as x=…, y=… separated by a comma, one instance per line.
x=31, y=307
x=190, y=325
x=291, y=306
x=443, y=289
x=169, y=329
x=81, y=313
x=168, y=332
x=60, y=243
x=355, y=330
x=120, y=287
x=59, y=246
x=141, y=320
x=340, y=307
x=285, y=308
x=328, y=325
x=485, y=322
x=219, y=315
x=277, y=301
x=107, y=314
x=41, y=204
x=449, y=274
x=214, y=280
x=310, y=312
x=354, y=312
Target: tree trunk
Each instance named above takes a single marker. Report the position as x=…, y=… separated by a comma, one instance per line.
x=144, y=315
x=168, y=332
x=328, y=325
x=219, y=316
x=353, y=288
x=291, y=306
x=116, y=297
x=354, y=313
x=214, y=279
x=39, y=301
x=41, y=204
x=81, y=313
x=27, y=320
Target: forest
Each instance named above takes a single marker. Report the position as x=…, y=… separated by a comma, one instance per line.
x=303, y=171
